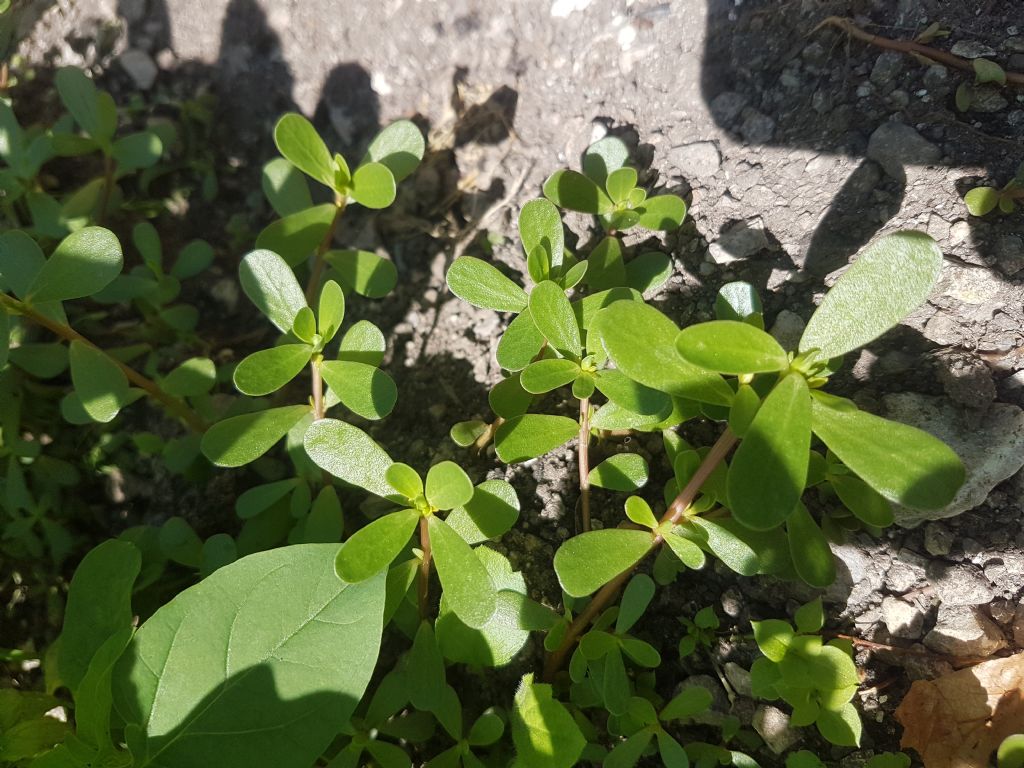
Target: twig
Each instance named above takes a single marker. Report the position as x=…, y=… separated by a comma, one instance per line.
x=583, y=459
x=424, y=576
x=910, y=47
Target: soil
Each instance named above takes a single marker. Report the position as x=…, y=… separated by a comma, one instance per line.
x=794, y=146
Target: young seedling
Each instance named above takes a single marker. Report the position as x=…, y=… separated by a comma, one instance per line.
x=818, y=680
x=305, y=228
x=981, y=201
x=700, y=631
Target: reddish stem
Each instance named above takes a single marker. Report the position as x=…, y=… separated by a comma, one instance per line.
x=424, y=577
x=583, y=453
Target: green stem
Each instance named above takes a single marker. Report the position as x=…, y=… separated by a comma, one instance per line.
x=317, y=387
x=607, y=593
x=173, y=404
x=583, y=460
x=313, y=285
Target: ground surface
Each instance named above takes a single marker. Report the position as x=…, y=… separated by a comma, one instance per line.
x=794, y=146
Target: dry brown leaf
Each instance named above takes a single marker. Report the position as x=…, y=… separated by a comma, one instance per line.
x=958, y=720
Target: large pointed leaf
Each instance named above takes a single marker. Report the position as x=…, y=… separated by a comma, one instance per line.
x=731, y=347
x=297, y=140
x=531, y=435
x=240, y=439
x=350, y=454
x=655, y=363
x=268, y=370
x=904, y=464
x=587, y=562
x=244, y=668
x=768, y=472
x=484, y=286
x=83, y=263
x=552, y=314
x=467, y=585
x=372, y=548
x=270, y=284
x=363, y=389
x=891, y=279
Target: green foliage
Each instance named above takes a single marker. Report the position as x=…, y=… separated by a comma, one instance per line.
x=1011, y=752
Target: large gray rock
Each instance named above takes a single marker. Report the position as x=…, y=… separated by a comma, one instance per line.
x=902, y=619
x=992, y=450
x=772, y=724
x=963, y=630
x=697, y=161
x=959, y=584
x=895, y=145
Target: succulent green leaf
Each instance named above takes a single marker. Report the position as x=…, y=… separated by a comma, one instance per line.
x=587, y=562
x=372, y=548
x=465, y=433
x=635, y=599
x=240, y=439
x=774, y=637
x=399, y=147
x=98, y=605
x=841, y=727
x=552, y=314
x=531, y=435
x=520, y=343
x=543, y=731
x=508, y=399
x=21, y=260
x=905, y=465
x=490, y=513
x=349, y=454
x=484, y=286
x=981, y=201
x=731, y=347
x=639, y=511
x=662, y=213
x=196, y=376
x=621, y=472
x=891, y=279
x=260, y=497
x=285, y=187
x=867, y=504
x=690, y=702
x=571, y=277
x=467, y=586
x=627, y=753
x=179, y=542
x=405, y=480
x=304, y=325
x=603, y=157
x=298, y=234
x=487, y=729
x=331, y=311
x=688, y=553
x=363, y=389
x=540, y=225
x=575, y=192
x=546, y=375
x=815, y=563
x=648, y=271
x=654, y=363
x=270, y=284
x=137, y=150
x=219, y=654
x=448, y=486
x=1011, y=752
x=362, y=343
x=744, y=408
x=146, y=240
x=299, y=142
x=194, y=258
x=268, y=370
x=83, y=263
x=739, y=301
x=373, y=185
x=83, y=101
x=605, y=266
x=671, y=751
x=620, y=183
x=724, y=541
x=769, y=470
x=100, y=384
x=810, y=617
x=628, y=394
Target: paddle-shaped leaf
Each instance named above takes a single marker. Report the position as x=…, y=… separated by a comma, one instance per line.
x=83, y=101
x=399, y=147
x=297, y=140
x=812, y=558
x=363, y=389
x=867, y=504
x=467, y=585
x=286, y=189
x=628, y=394
x=372, y=548
x=731, y=347
x=297, y=235
x=655, y=363
x=330, y=311
x=349, y=454
x=891, y=279
x=20, y=262
x=484, y=286
x=238, y=690
x=520, y=343
x=546, y=375
x=83, y=263
x=268, y=370
x=101, y=386
x=448, y=486
x=574, y=191
x=373, y=185
x=540, y=224
x=604, y=156
x=544, y=733
x=768, y=472
x=240, y=439
x=587, y=562
x=364, y=272
x=531, y=435
x=662, y=213
x=904, y=464
x=270, y=284
x=552, y=314
x=491, y=512
x=621, y=472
